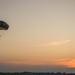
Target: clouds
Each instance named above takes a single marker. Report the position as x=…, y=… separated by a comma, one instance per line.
x=55, y=43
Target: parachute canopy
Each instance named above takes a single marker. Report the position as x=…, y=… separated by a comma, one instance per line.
x=3, y=25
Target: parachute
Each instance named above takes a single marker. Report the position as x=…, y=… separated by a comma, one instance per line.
x=3, y=25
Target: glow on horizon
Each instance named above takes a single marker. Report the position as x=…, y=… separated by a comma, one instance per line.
x=68, y=63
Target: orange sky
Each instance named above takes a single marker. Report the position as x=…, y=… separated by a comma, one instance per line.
x=41, y=33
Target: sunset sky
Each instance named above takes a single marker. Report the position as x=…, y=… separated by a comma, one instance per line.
x=41, y=37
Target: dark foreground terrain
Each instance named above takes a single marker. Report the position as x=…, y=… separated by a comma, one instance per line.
x=32, y=73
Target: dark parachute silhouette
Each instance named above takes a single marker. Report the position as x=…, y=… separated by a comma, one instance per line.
x=3, y=25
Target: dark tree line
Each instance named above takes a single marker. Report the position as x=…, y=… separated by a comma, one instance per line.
x=32, y=73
